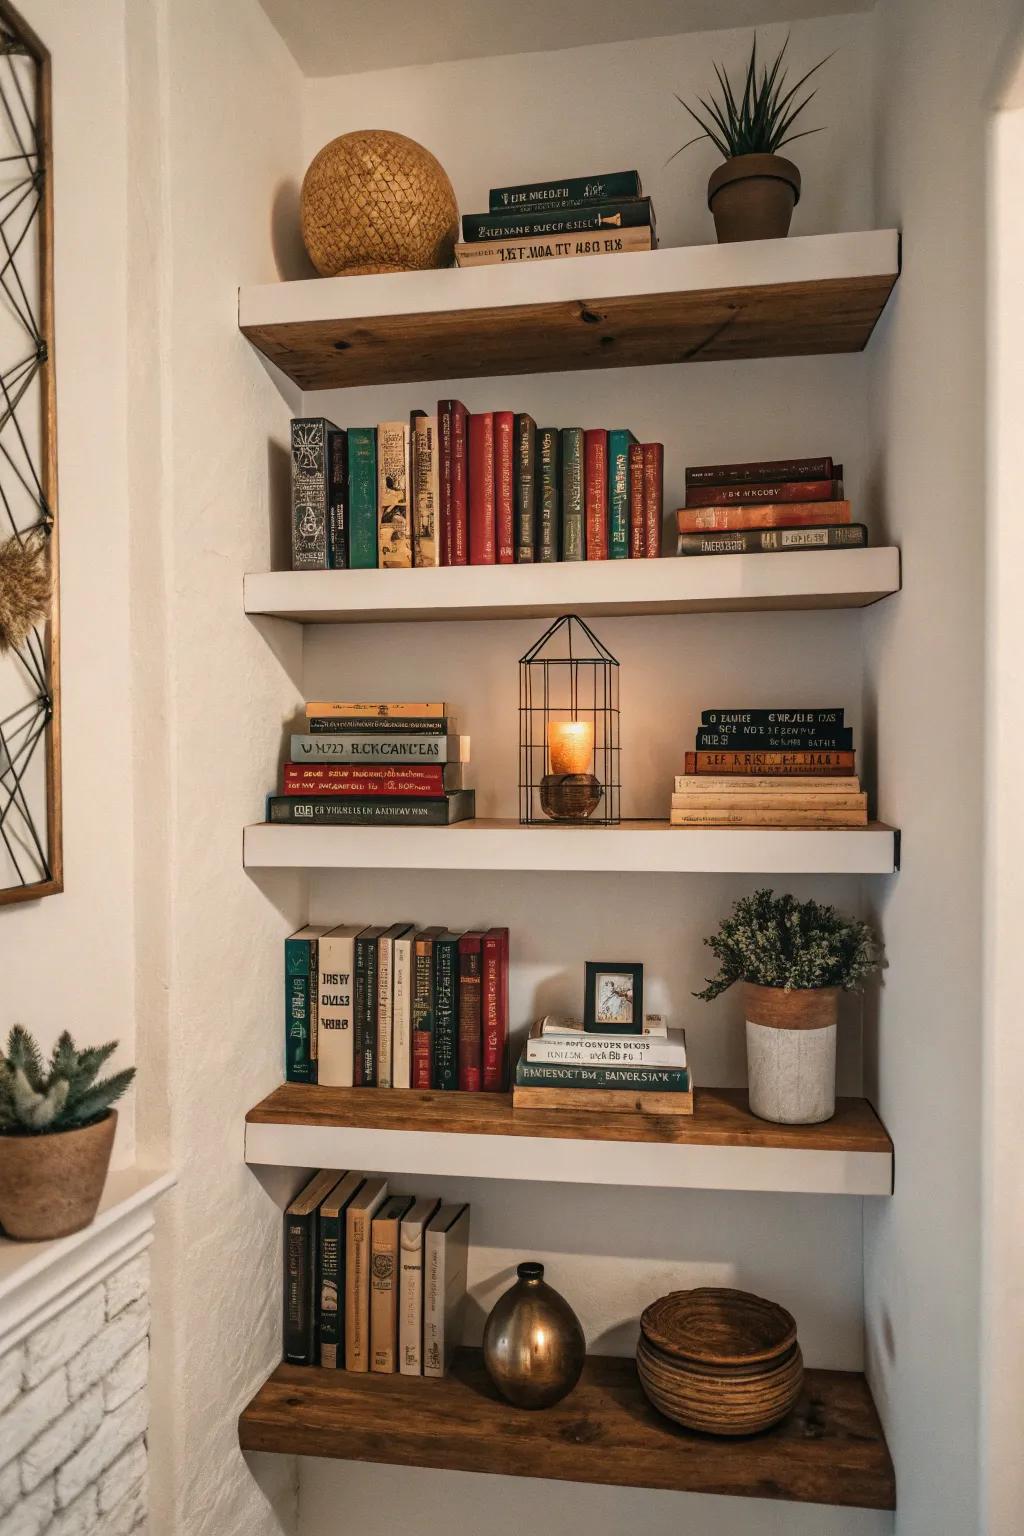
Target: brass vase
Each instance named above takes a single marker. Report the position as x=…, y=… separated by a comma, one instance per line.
x=533, y=1343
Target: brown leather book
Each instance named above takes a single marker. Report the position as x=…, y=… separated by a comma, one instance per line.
x=384, y=1255
x=358, y=1224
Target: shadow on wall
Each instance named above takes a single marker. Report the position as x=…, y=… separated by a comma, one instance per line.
x=286, y=234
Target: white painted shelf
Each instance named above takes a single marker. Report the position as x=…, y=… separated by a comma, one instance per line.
x=650, y=847
x=827, y=578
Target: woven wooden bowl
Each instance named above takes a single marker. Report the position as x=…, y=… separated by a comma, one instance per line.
x=714, y=1326
x=375, y=201
x=717, y=1401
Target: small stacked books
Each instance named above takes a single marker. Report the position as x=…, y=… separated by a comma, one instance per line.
x=777, y=504
x=770, y=768
x=565, y=1066
x=544, y=220
x=375, y=765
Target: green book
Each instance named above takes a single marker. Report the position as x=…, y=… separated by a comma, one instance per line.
x=548, y=498
x=446, y=1011
x=301, y=956
x=619, y=439
x=331, y=1271
x=605, y=188
x=536, y=1074
x=572, y=493
x=362, y=498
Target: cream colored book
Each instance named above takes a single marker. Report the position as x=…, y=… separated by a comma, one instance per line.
x=394, y=531
x=352, y=711
x=769, y=800
x=757, y=818
x=401, y=1013
x=385, y=999
x=358, y=1220
x=384, y=1284
x=756, y=784
x=425, y=492
x=445, y=1263
x=410, y=1285
x=488, y=253
x=334, y=1021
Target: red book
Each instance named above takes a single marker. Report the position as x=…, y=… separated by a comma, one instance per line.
x=636, y=501
x=807, y=514
x=470, y=1013
x=359, y=779
x=595, y=492
x=830, y=764
x=504, y=485
x=481, y=488
x=494, y=970
x=654, y=497
x=422, y=1066
x=452, y=482
x=793, y=490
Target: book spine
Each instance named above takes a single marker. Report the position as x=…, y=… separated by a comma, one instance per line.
x=595, y=491
x=743, y=541
x=809, y=514
x=360, y=1024
x=781, y=491
x=383, y=1297
x=761, y=738
x=783, y=764
x=504, y=486
x=402, y=1014
x=446, y=1015
x=619, y=443
x=334, y=1021
x=470, y=1015
x=355, y=725
x=548, y=499
x=454, y=475
x=775, y=719
x=774, y=800
x=572, y=492
x=309, y=493
x=754, y=784
x=512, y=225
x=329, y=1328
x=426, y=495
x=299, y=988
x=357, y=1291
x=400, y=748
x=637, y=534
x=298, y=1340
x=379, y=810
x=574, y=189
x=393, y=531
x=654, y=497
x=819, y=816
x=494, y=1047
x=434, y=1344
x=336, y=779
x=526, y=487
x=509, y=253
x=385, y=999
x=423, y=1014
x=410, y=1300
x=761, y=470
x=337, y=499
x=482, y=549
x=362, y=498
x=530, y=1074
x=639, y=1053
x=433, y=709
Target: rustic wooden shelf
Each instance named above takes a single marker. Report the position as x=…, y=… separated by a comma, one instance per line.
x=831, y=1449
x=768, y=298
x=721, y=1146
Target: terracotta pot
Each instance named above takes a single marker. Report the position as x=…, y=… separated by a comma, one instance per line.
x=752, y=197
x=51, y=1185
x=791, y=1053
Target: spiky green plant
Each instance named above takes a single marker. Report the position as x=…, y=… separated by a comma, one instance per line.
x=777, y=941
x=760, y=121
x=38, y=1098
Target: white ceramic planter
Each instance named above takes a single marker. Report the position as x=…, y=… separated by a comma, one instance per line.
x=791, y=1054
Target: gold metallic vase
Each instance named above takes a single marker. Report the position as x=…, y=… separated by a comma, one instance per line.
x=533, y=1343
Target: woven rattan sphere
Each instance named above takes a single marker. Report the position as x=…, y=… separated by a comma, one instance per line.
x=376, y=201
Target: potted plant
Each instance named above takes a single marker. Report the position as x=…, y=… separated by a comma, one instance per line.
x=793, y=959
x=56, y=1135
x=752, y=196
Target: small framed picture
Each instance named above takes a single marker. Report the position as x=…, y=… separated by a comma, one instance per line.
x=614, y=998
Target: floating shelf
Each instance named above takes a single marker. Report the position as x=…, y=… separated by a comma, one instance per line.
x=827, y=578
x=633, y=847
x=766, y=298
x=721, y=1146
x=830, y=1450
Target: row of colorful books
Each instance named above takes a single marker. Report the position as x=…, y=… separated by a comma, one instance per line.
x=547, y=220
x=771, y=505
x=770, y=768
x=373, y=1281
x=374, y=764
x=401, y=1006
x=471, y=488
x=564, y=1065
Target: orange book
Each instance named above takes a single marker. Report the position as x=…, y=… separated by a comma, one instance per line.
x=384, y=1249
x=805, y=514
x=772, y=764
x=358, y=1218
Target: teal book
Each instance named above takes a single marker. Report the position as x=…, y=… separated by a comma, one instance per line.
x=446, y=1011
x=362, y=498
x=609, y=187
x=301, y=957
x=619, y=440
x=535, y=1074
x=330, y=1311
x=548, y=495
x=572, y=493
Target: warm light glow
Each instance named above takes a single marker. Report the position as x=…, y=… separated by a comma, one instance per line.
x=570, y=745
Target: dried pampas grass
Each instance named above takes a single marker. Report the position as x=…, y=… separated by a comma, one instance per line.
x=24, y=588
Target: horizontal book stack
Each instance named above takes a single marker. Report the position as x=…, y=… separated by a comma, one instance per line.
x=548, y=220
x=770, y=768
x=397, y=1006
x=471, y=488
x=564, y=1066
x=778, y=504
x=362, y=764
x=373, y=1280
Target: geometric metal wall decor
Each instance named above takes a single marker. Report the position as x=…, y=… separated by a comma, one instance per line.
x=30, y=796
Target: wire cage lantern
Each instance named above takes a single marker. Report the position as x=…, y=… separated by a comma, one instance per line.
x=569, y=728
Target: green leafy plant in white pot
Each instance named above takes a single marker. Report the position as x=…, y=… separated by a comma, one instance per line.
x=792, y=959
x=57, y=1125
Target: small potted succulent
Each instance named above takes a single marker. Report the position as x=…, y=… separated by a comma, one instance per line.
x=752, y=196
x=793, y=959
x=56, y=1135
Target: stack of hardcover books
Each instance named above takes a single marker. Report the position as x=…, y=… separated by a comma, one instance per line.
x=546, y=220
x=401, y=1006
x=375, y=765
x=770, y=768
x=565, y=1066
x=471, y=488
x=373, y=1281
x=777, y=504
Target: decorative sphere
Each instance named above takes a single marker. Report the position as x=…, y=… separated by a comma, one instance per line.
x=375, y=201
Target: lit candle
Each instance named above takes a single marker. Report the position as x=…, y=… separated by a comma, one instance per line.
x=570, y=745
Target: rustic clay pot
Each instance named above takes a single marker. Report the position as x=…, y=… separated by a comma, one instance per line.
x=51, y=1185
x=752, y=197
x=791, y=1053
